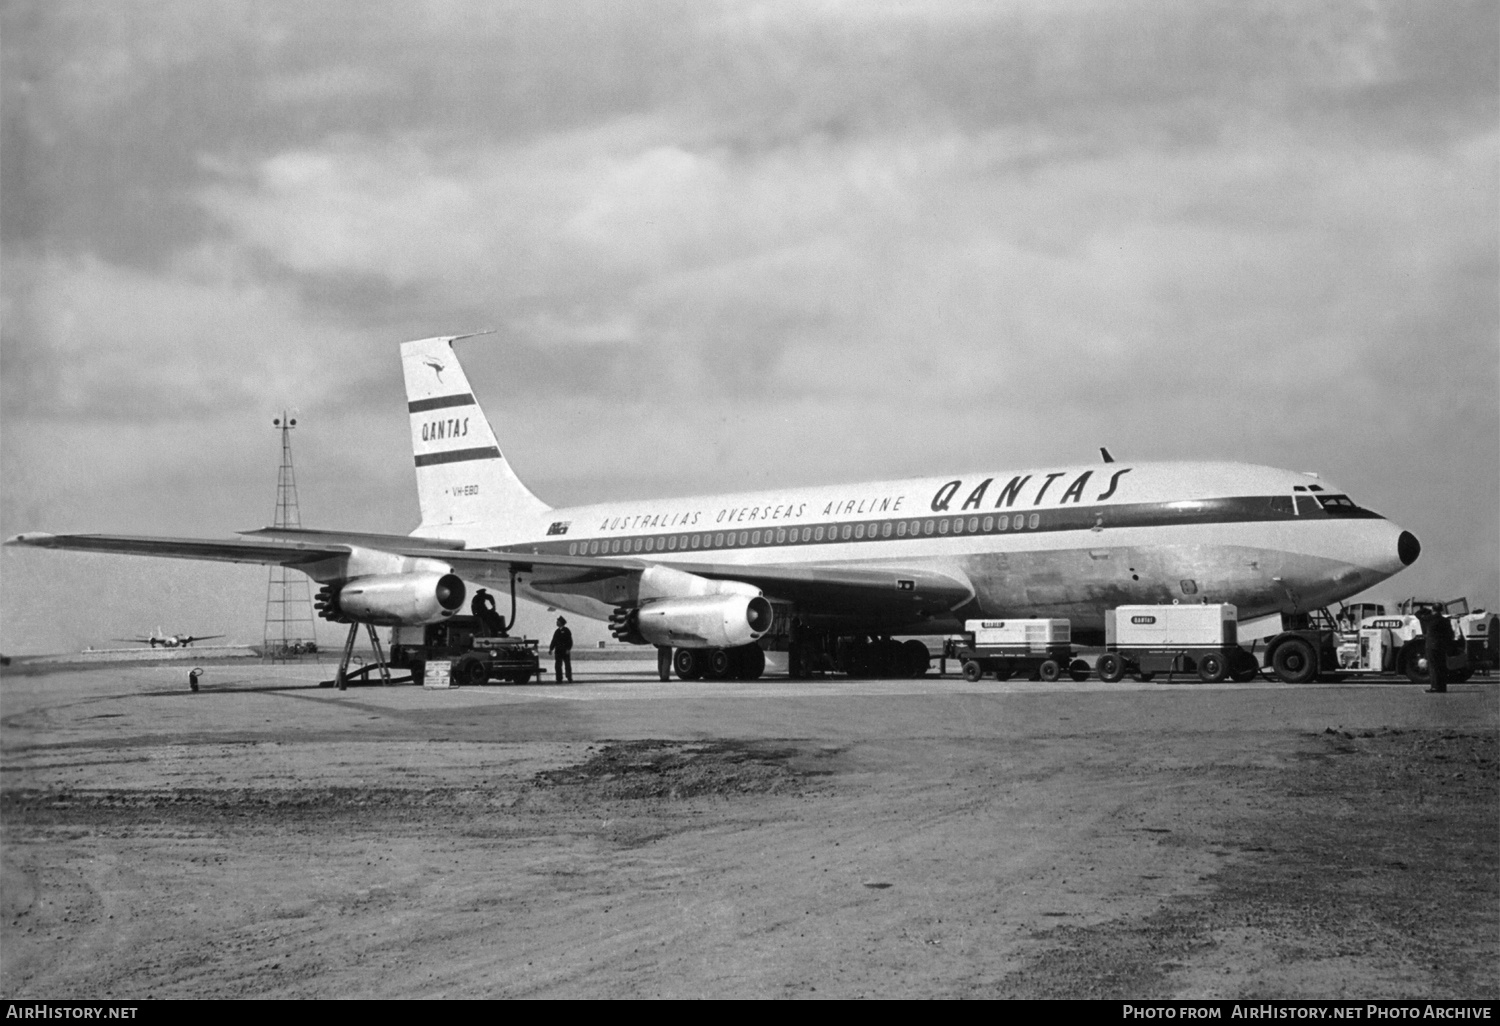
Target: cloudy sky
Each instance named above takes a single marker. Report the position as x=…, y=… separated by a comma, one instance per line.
x=730, y=245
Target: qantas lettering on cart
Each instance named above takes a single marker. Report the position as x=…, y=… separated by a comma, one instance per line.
x=1017, y=487
x=434, y=430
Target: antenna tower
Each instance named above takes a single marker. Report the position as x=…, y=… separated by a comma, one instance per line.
x=289, y=613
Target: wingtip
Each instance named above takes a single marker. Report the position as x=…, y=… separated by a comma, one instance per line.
x=29, y=538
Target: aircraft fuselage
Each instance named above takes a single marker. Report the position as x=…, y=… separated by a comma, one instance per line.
x=1057, y=542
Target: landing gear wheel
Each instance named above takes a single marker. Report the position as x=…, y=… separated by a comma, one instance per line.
x=750, y=662
x=1110, y=667
x=918, y=658
x=1211, y=668
x=1078, y=669
x=1294, y=661
x=796, y=667
x=688, y=662
x=1243, y=666
x=973, y=671
x=720, y=664
x=470, y=671
x=1049, y=670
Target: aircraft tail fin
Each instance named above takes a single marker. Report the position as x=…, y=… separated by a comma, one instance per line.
x=465, y=486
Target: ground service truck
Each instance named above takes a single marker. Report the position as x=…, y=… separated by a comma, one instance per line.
x=477, y=657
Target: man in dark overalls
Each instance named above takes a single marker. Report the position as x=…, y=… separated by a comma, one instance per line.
x=562, y=648
x=483, y=607
x=1437, y=636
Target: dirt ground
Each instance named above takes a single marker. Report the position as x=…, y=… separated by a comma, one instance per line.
x=627, y=838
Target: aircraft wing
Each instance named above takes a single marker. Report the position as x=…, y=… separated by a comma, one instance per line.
x=229, y=550
x=202, y=637
x=882, y=589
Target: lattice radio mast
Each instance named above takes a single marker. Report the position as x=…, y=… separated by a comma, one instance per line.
x=289, y=613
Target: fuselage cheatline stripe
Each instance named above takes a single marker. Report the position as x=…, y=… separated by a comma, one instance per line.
x=488, y=452
x=1239, y=510
x=441, y=402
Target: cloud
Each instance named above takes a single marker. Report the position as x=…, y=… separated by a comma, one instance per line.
x=93, y=341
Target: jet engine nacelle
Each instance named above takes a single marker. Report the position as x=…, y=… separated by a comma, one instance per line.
x=399, y=599
x=705, y=621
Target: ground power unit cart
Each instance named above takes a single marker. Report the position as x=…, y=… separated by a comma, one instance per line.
x=1041, y=649
x=1201, y=639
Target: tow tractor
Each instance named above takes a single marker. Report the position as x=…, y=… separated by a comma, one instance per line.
x=1041, y=648
x=477, y=656
x=1147, y=640
x=1395, y=643
x=1364, y=639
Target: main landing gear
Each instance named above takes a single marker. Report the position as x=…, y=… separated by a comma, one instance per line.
x=746, y=662
x=857, y=656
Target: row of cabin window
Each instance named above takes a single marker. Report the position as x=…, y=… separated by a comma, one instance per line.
x=797, y=536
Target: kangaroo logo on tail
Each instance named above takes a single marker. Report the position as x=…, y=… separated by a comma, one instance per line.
x=465, y=487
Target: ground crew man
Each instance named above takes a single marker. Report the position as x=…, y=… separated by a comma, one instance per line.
x=1437, y=635
x=562, y=648
x=483, y=607
x=193, y=676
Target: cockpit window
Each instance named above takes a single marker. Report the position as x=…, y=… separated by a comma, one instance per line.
x=1341, y=506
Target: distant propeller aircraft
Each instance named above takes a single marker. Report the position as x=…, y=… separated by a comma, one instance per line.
x=157, y=637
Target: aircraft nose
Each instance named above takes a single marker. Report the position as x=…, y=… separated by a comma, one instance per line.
x=1408, y=548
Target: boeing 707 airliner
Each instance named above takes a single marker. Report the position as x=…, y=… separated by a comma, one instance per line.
x=828, y=574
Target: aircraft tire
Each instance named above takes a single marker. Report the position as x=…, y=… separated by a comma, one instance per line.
x=1294, y=661
x=918, y=658
x=750, y=662
x=1049, y=671
x=688, y=664
x=973, y=671
x=720, y=664
x=1110, y=667
x=1078, y=669
x=796, y=668
x=1211, y=668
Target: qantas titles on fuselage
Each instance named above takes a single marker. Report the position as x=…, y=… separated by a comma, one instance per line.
x=1006, y=497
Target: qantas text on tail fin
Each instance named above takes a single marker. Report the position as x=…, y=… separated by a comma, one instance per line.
x=819, y=569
